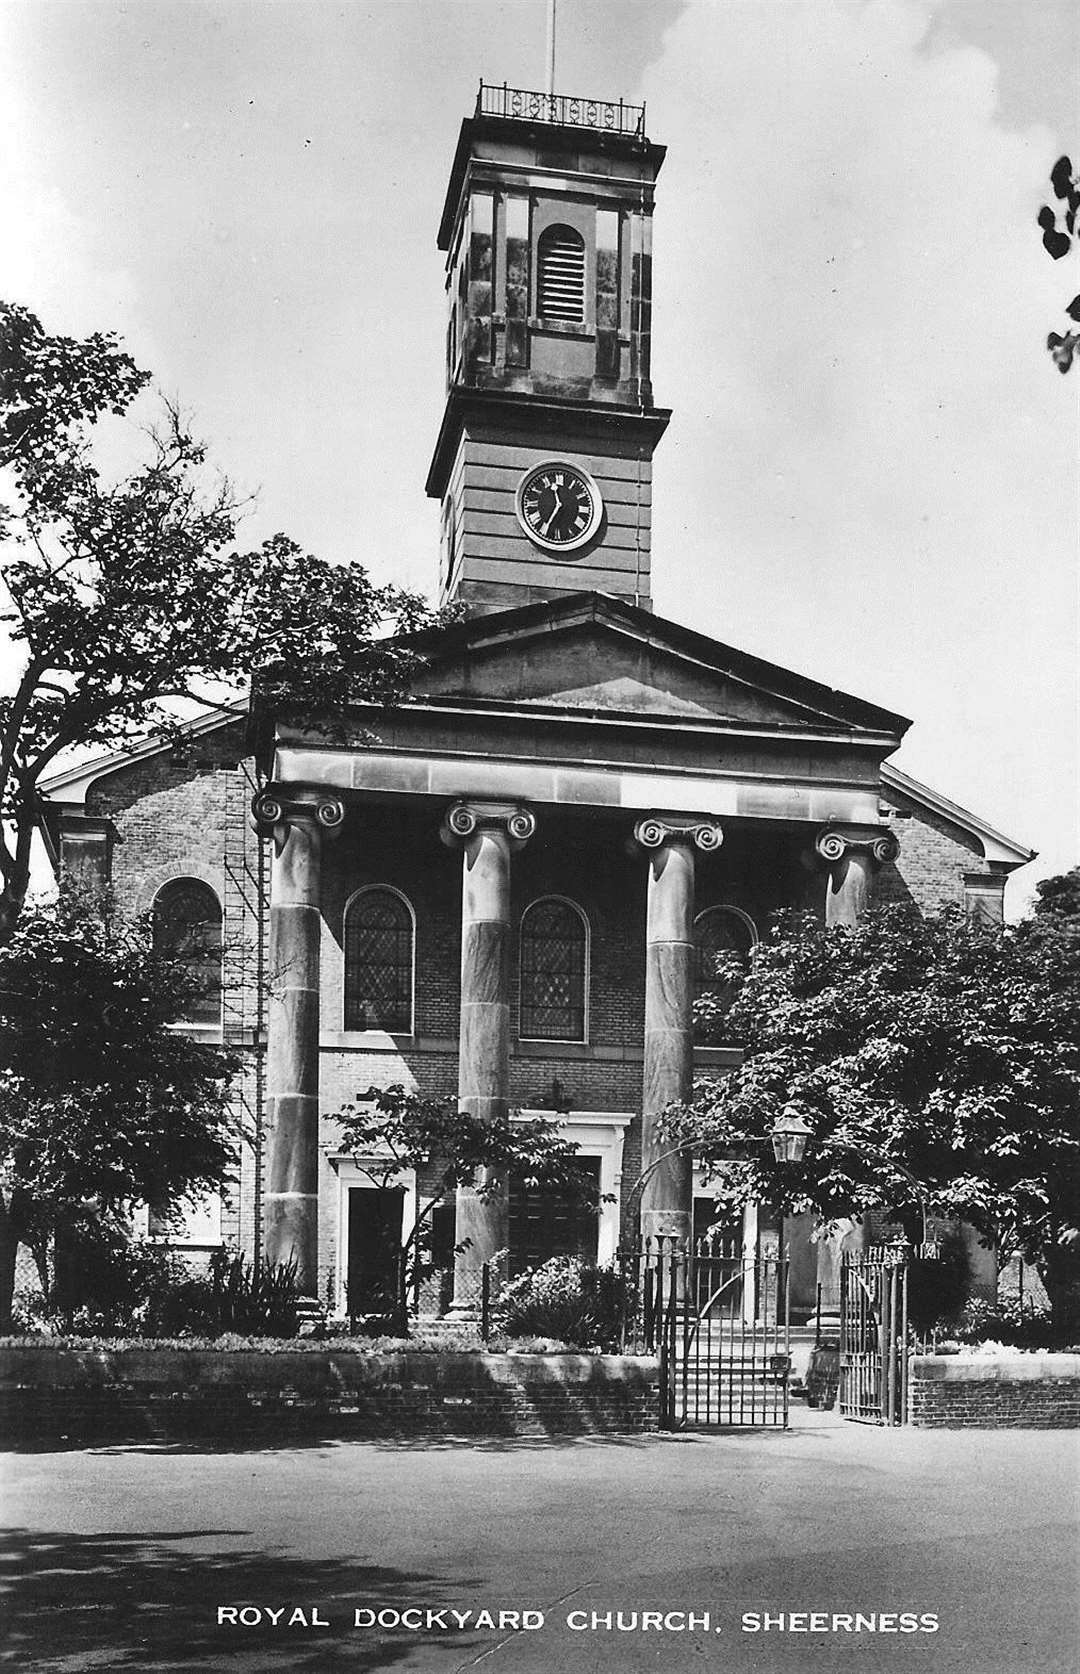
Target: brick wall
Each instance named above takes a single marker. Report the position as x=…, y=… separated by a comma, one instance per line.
x=1013, y=1392
x=139, y=1393
x=934, y=855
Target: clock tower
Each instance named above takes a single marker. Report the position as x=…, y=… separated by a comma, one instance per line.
x=543, y=464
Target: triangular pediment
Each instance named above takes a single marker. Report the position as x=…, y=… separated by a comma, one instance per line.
x=599, y=656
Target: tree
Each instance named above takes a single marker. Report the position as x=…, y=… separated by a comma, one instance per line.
x=391, y=1130
x=103, y=1103
x=127, y=598
x=1058, y=241
x=925, y=1049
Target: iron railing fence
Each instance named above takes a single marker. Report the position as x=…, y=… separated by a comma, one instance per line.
x=561, y=110
x=874, y=1335
x=717, y=1318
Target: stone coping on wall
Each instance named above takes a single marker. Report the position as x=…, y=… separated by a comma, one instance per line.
x=1021, y=1367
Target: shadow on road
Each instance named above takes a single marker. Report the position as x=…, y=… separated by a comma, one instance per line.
x=116, y=1601
x=282, y=1440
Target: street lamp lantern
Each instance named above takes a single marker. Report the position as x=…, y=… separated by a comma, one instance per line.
x=789, y=1135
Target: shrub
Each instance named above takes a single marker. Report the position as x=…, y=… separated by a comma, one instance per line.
x=236, y=1296
x=567, y=1299
x=1003, y=1321
x=109, y=1284
x=938, y=1290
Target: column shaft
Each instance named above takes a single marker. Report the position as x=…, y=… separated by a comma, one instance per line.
x=484, y=1042
x=292, y=1055
x=853, y=855
x=847, y=888
x=667, y=1196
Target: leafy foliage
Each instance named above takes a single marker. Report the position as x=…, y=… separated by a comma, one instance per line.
x=105, y=1282
x=568, y=1299
x=1004, y=1321
x=103, y=1103
x=126, y=598
x=1058, y=241
x=235, y=1296
x=390, y=1130
x=938, y=1290
x=927, y=1050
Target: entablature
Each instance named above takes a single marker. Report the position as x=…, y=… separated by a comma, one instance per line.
x=372, y=773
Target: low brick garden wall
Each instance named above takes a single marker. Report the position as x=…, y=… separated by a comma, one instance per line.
x=122, y=1394
x=1007, y=1391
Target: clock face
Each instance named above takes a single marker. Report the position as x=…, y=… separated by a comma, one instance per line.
x=559, y=506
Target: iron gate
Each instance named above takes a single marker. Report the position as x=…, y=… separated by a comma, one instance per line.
x=873, y=1335
x=717, y=1318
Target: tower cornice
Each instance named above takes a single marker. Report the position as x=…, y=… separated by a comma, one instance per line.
x=554, y=415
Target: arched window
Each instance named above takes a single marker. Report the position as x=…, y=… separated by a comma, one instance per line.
x=720, y=930
x=561, y=274
x=554, y=971
x=379, y=939
x=186, y=922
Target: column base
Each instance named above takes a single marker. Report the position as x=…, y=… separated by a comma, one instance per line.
x=310, y=1316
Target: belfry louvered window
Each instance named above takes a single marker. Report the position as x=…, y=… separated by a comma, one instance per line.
x=379, y=962
x=554, y=971
x=561, y=277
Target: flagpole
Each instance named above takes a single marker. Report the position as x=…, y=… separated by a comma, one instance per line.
x=551, y=49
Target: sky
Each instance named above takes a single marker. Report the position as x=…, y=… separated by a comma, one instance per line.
x=870, y=475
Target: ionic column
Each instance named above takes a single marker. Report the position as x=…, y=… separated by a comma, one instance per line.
x=487, y=834
x=668, y=1072
x=298, y=823
x=853, y=853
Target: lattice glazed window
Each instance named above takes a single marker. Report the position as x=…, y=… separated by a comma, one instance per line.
x=186, y=922
x=554, y=959
x=379, y=942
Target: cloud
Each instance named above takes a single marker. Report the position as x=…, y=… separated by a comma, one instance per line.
x=847, y=258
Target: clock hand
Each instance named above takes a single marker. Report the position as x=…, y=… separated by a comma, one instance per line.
x=555, y=513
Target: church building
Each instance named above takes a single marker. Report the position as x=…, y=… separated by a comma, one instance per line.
x=508, y=890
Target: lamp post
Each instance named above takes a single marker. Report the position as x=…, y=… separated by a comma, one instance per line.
x=788, y=1134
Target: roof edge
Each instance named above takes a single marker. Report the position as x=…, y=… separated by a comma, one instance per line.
x=76, y=780
x=1000, y=851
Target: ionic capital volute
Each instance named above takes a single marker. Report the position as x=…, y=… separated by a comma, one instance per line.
x=278, y=807
x=463, y=820
x=877, y=842
x=655, y=830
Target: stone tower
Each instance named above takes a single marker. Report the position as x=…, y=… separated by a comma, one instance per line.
x=543, y=463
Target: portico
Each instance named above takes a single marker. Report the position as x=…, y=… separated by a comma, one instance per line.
x=682, y=809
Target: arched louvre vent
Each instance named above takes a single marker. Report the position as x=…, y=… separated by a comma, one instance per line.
x=562, y=274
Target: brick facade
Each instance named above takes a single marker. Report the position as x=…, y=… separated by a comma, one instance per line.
x=934, y=855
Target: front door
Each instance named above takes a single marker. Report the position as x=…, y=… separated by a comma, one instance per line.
x=375, y=1227
x=545, y=1221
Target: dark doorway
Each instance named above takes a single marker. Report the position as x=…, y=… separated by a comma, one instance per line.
x=547, y=1221
x=375, y=1223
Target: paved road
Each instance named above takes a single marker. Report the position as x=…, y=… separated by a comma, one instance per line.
x=121, y=1559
